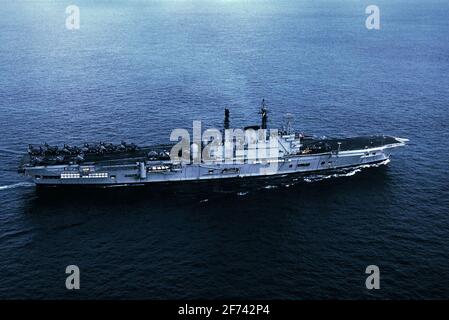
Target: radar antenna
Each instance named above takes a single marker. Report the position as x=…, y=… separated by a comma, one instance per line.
x=288, y=121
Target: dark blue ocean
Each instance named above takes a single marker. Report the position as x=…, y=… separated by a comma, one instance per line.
x=137, y=69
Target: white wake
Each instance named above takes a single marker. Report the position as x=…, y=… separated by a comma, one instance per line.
x=17, y=185
x=320, y=177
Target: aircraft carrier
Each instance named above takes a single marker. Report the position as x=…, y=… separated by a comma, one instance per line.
x=126, y=164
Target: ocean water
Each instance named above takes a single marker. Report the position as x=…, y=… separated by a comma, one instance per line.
x=135, y=70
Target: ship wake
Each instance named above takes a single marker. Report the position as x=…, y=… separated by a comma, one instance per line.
x=314, y=178
x=17, y=185
x=343, y=173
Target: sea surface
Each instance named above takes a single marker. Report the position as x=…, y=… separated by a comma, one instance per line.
x=137, y=69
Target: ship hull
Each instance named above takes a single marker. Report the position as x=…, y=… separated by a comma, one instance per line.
x=132, y=176
x=209, y=185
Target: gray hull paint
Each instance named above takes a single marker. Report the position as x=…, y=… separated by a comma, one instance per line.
x=138, y=174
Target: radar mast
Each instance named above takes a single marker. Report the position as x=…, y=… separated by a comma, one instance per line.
x=263, y=112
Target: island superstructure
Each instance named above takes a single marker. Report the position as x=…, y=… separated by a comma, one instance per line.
x=124, y=164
